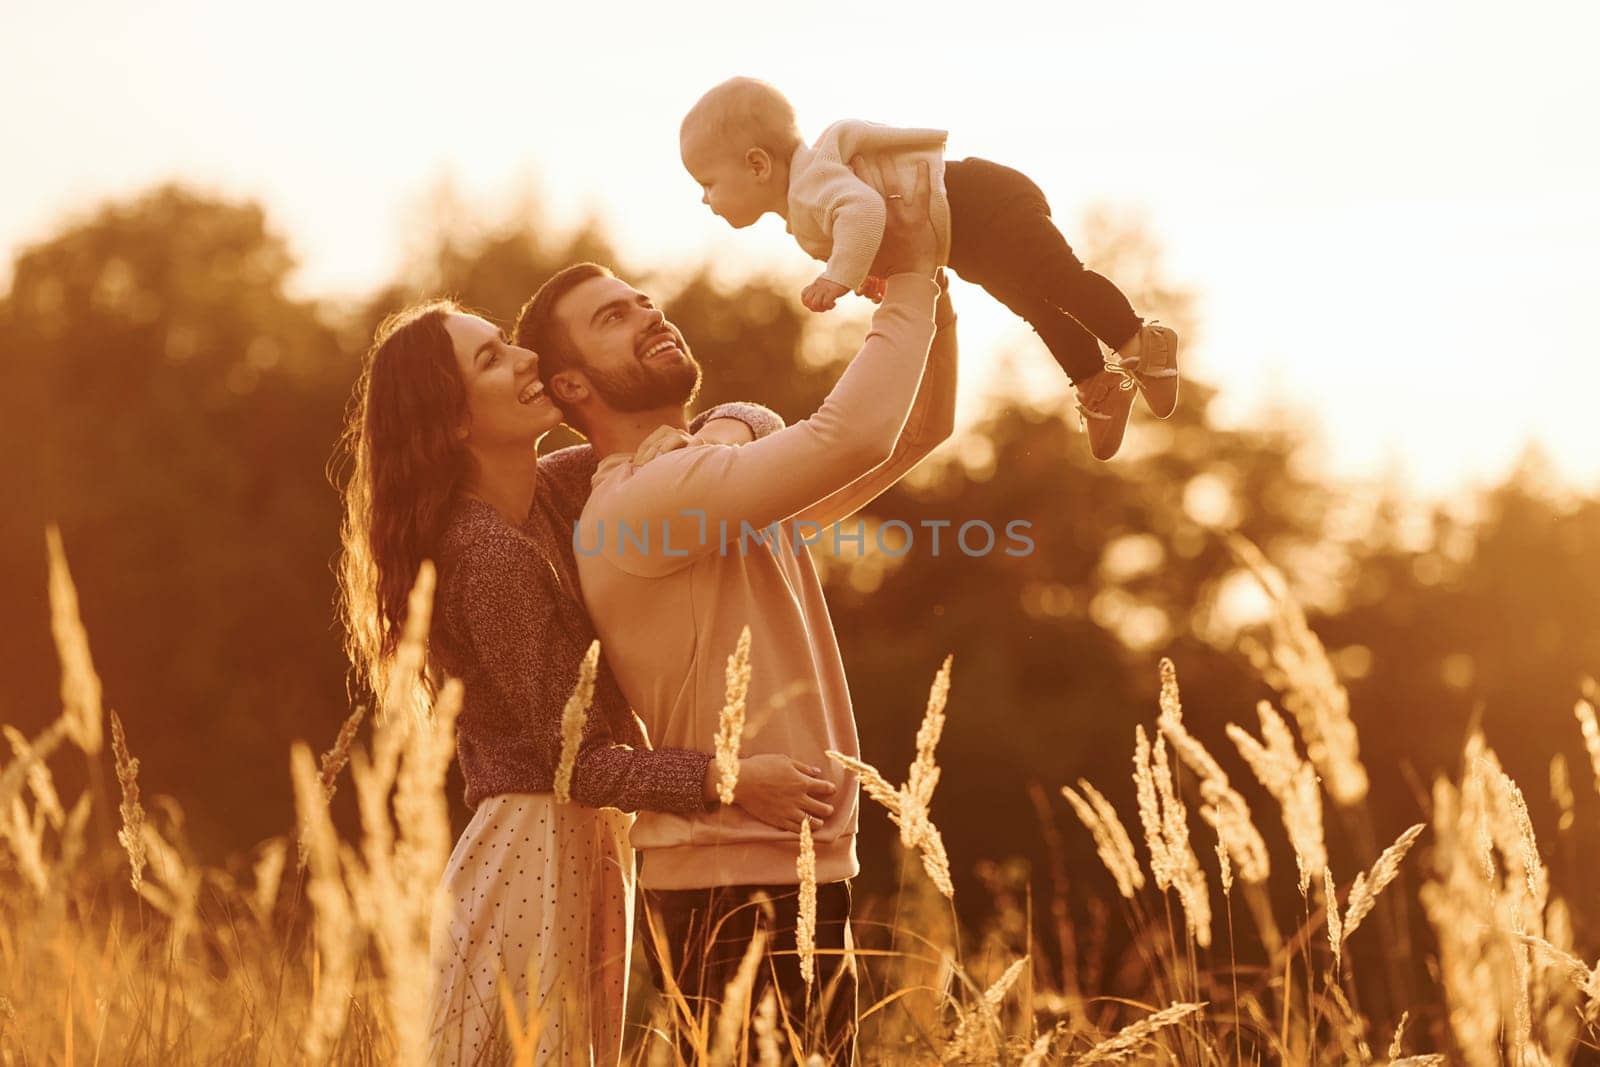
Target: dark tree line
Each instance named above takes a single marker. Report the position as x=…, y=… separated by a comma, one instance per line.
x=173, y=406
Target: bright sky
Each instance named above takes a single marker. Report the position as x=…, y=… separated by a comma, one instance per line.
x=1388, y=209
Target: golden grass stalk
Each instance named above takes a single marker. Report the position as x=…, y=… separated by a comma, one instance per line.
x=876, y=785
x=769, y=1053
x=80, y=685
x=1591, y=736
x=333, y=915
x=523, y=1036
x=72, y=848
x=805, y=934
x=1144, y=783
x=1293, y=784
x=978, y=1032
x=1127, y=1041
x=268, y=872
x=40, y=782
x=405, y=690
x=908, y=805
x=1330, y=896
x=1570, y=966
x=172, y=887
x=15, y=776
x=1396, y=1048
x=420, y=807
x=1561, y=793
x=1169, y=701
x=132, y=833
x=1039, y=1053
x=1562, y=1005
x=935, y=860
x=1111, y=840
x=1476, y=970
x=1364, y=893
x=334, y=760
x=25, y=834
x=923, y=775
x=929, y=842
x=1187, y=877
x=1224, y=809
x=730, y=723
x=22, y=832
x=1294, y=662
x=393, y=889
x=733, y=1017
x=573, y=718
x=917, y=793
x=1224, y=867
x=1533, y=868
x=1433, y=1059
x=1503, y=825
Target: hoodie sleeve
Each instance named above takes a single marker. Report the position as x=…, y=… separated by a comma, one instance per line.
x=932, y=420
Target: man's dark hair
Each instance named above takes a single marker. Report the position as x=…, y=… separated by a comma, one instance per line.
x=538, y=328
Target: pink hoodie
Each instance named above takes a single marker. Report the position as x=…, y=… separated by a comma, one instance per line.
x=669, y=601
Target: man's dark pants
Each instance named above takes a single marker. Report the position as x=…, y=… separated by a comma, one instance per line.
x=704, y=933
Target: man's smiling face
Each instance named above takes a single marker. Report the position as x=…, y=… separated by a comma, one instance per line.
x=633, y=357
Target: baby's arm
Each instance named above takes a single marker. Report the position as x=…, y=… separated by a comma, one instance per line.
x=853, y=218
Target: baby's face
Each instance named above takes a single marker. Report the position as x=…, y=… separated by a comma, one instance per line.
x=730, y=185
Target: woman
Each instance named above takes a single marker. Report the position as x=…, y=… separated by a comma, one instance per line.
x=537, y=896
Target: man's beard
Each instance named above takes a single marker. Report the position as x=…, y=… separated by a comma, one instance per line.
x=645, y=388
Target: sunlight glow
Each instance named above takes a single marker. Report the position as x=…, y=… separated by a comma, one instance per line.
x=1384, y=210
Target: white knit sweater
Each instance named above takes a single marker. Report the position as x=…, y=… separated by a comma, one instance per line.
x=837, y=217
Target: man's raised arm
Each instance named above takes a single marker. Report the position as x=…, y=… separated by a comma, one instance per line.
x=932, y=420
x=692, y=501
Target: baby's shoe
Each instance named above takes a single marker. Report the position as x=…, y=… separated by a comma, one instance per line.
x=1155, y=368
x=1104, y=402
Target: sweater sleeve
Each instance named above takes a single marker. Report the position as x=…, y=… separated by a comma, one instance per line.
x=760, y=420
x=684, y=500
x=511, y=621
x=570, y=473
x=932, y=420
x=854, y=217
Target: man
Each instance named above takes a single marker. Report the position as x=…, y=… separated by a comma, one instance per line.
x=678, y=556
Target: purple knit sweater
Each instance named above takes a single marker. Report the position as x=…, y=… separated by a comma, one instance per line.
x=511, y=624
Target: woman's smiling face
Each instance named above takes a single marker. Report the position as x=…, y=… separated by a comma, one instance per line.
x=506, y=402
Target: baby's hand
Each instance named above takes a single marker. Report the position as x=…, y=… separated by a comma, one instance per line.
x=872, y=289
x=822, y=294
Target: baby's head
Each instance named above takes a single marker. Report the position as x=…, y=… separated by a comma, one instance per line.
x=736, y=142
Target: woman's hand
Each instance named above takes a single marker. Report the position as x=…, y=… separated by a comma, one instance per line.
x=782, y=792
x=662, y=439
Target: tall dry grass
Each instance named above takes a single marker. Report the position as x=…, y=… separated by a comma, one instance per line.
x=135, y=953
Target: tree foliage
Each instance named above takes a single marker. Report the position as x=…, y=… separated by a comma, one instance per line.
x=172, y=404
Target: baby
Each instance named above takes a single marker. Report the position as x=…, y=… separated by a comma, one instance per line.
x=741, y=142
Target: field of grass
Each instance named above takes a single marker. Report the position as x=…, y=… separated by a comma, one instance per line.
x=121, y=949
